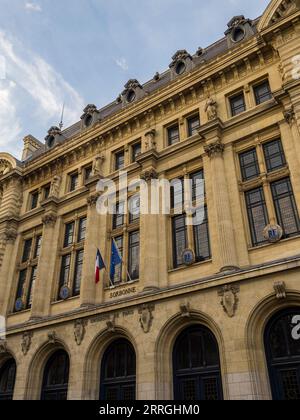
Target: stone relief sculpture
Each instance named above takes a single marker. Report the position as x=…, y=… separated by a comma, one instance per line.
x=97, y=165
x=211, y=109
x=146, y=318
x=5, y=167
x=79, y=331
x=55, y=186
x=26, y=342
x=229, y=299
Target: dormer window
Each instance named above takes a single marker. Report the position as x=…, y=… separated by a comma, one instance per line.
x=131, y=96
x=238, y=34
x=133, y=92
x=180, y=68
x=50, y=141
x=90, y=115
x=182, y=62
x=88, y=120
x=54, y=135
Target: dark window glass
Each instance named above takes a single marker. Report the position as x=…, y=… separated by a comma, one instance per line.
x=134, y=255
x=285, y=206
x=31, y=286
x=82, y=229
x=88, y=172
x=34, y=200
x=46, y=192
x=21, y=284
x=119, y=216
x=173, y=134
x=120, y=161
x=69, y=234
x=56, y=377
x=249, y=165
x=118, y=273
x=78, y=272
x=64, y=271
x=134, y=208
x=262, y=92
x=257, y=214
x=274, y=155
x=7, y=380
x=201, y=236
x=27, y=250
x=179, y=239
x=177, y=193
x=237, y=104
x=193, y=125
x=136, y=151
x=38, y=245
x=73, y=182
x=197, y=190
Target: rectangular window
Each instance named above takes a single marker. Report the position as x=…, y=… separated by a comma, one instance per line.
x=119, y=216
x=27, y=250
x=285, y=206
x=136, y=151
x=88, y=172
x=201, y=237
x=249, y=165
x=46, y=192
x=134, y=255
x=274, y=155
x=173, y=135
x=134, y=208
x=21, y=284
x=177, y=193
x=262, y=92
x=74, y=182
x=118, y=273
x=82, y=229
x=179, y=239
x=65, y=271
x=193, y=124
x=34, y=200
x=257, y=214
x=237, y=104
x=197, y=187
x=38, y=244
x=78, y=272
x=69, y=234
x=31, y=287
x=119, y=161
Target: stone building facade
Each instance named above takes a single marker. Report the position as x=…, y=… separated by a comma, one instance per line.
x=207, y=311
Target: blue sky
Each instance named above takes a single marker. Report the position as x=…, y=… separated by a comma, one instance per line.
x=84, y=51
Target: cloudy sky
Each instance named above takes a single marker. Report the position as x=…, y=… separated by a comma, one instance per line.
x=84, y=51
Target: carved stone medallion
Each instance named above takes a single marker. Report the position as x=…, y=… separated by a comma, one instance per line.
x=26, y=342
x=146, y=317
x=79, y=331
x=229, y=299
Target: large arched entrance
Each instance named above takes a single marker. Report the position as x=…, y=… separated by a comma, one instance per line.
x=118, y=372
x=282, y=344
x=196, y=366
x=56, y=377
x=7, y=379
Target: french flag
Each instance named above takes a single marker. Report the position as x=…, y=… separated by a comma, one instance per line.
x=98, y=266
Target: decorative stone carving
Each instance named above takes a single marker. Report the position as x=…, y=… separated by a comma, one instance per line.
x=280, y=290
x=146, y=317
x=79, y=331
x=49, y=219
x=289, y=116
x=156, y=76
x=53, y=134
x=273, y=233
x=180, y=55
x=133, y=91
x=90, y=115
x=111, y=325
x=97, y=165
x=55, y=186
x=26, y=342
x=214, y=149
x=282, y=72
x=10, y=235
x=185, y=310
x=237, y=21
x=92, y=199
x=5, y=167
x=229, y=299
x=149, y=175
x=211, y=109
x=52, y=337
x=150, y=143
x=3, y=346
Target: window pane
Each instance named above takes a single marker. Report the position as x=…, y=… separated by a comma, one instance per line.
x=27, y=250
x=31, y=286
x=274, y=155
x=257, y=214
x=78, y=272
x=46, y=192
x=38, y=245
x=34, y=200
x=197, y=190
x=134, y=255
x=88, y=172
x=134, y=208
x=136, y=151
x=262, y=93
x=173, y=135
x=120, y=161
x=193, y=125
x=73, y=182
x=177, y=193
x=179, y=239
x=237, y=104
x=201, y=238
x=82, y=229
x=65, y=270
x=118, y=272
x=249, y=165
x=285, y=205
x=21, y=284
x=119, y=216
x=69, y=234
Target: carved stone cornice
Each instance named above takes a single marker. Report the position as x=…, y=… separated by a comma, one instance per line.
x=215, y=149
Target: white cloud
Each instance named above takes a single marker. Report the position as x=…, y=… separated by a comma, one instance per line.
x=33, y=7
x=122, y=63
x=35, y=87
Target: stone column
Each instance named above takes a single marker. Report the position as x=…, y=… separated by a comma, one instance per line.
x=46, y=268
x=225, y=228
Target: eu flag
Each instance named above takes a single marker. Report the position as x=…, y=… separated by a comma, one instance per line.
x=116, y=259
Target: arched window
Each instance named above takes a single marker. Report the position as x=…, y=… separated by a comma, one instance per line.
x=7, y=380
x=282, y=344
x=118, y=372
x=56, y=377
x=196, y=364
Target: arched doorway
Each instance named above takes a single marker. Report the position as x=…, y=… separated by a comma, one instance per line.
x=56, y=377
x=7, y=380
x=118, y=372
x=196, y=365
x=282, y=344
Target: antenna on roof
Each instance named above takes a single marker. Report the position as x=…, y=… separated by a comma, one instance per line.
x=61, y=124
